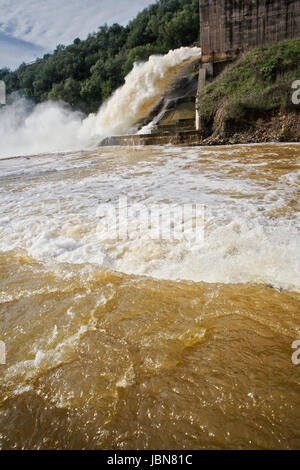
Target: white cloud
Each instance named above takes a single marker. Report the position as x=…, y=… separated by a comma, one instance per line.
x=14, y=51
x=45, y=23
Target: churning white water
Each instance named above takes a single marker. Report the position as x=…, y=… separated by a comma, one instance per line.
x=49, y=207
x=52, y=127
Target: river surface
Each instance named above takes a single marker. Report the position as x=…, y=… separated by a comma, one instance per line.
x=144, y=343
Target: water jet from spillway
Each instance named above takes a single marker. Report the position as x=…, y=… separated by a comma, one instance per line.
x=144, y=86
x=26, y=129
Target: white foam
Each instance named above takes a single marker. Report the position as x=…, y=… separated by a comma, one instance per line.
x=55, y=218
x=47, y=127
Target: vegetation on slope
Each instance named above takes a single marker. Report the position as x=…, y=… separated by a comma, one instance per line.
x=85, y=73
x=256, y=85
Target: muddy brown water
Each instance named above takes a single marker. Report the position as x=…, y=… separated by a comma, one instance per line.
x=151, y=344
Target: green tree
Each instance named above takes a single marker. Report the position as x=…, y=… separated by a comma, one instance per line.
x=87, y=72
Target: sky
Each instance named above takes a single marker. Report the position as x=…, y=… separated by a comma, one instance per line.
x=31, y=28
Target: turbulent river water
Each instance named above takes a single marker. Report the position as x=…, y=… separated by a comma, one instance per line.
x=141, y=343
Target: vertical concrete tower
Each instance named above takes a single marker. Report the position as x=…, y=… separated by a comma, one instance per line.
x=231, y=27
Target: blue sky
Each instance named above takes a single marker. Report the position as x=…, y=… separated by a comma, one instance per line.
x=30, y=28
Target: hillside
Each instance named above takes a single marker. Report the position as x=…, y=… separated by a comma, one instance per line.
x=86, y=73
x=252, y=99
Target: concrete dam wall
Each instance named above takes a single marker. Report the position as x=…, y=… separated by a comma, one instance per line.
x=229, y=27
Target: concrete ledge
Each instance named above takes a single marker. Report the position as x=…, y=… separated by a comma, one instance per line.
x=178, y=138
